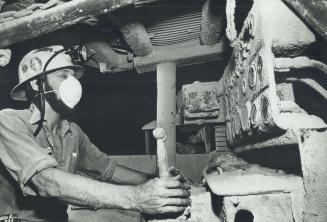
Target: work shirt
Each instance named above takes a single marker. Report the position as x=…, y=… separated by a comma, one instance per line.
x=22, y=156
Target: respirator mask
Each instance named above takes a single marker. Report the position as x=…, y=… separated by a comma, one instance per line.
x=70, y=92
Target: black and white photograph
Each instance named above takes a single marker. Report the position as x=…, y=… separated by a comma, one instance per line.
x=163, y=110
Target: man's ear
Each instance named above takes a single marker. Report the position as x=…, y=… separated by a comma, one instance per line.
x=34, y=85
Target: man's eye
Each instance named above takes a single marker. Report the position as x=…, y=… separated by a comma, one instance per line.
x=63, y=75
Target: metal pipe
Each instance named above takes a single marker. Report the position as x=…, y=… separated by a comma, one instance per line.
x=59, y=17
x=108, y=61
x=162, y=158
x=312, y=84
x=313, y=12
x=166, y=106
x=301, y=62
x=182, y=55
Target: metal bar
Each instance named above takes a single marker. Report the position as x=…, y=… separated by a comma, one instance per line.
x=300, y=62
x=166, y=106
x=55, y=18
x=182, y=56
x=311, y=83
x=313, y=12
x=313, y=152
x=162, y=155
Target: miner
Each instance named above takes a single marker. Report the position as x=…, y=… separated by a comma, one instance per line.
x=48, y=162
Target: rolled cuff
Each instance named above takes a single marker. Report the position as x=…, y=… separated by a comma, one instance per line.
x=33, y=168
x=106, y=176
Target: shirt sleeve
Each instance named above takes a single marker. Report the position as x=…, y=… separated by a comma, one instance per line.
x=19, y=152
x=92, y=161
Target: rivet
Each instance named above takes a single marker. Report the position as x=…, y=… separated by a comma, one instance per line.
x=253, y=115
x=244, y=86
x=252, y=78
x=245, y=118
x=265, y=114
x=259, y=66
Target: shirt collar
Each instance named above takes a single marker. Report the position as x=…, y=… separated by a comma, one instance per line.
x=36, y=117
x=36, y=114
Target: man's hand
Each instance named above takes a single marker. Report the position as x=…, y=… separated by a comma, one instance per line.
x=164, y=195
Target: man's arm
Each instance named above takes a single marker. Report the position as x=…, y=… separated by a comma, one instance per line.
x=155, y=196
x=124, y=175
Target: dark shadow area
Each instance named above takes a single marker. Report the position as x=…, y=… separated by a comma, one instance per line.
x=241, y=12
x=217, y=203
x=244, y=216
x=310, y=100
x=286, y=158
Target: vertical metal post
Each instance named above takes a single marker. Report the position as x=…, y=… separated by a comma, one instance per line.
x=147, y=142
x=166, y=106
x=313, y=151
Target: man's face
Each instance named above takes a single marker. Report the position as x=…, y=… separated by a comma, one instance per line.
x=54, y=79
x=53, y=82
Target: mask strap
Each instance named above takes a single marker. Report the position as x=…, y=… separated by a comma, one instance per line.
x=40, y=83
x=50, y=91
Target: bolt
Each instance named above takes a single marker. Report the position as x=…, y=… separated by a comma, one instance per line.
x=244, y=86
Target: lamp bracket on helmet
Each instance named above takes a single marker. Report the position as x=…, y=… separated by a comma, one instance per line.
x=78, y=53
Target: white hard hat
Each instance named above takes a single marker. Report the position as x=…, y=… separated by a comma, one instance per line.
x=33, y=64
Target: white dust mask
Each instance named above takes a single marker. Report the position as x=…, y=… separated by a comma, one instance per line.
x=70, y=91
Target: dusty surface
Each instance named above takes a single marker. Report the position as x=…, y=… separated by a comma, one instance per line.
x=264, y=208
x=251, y=191
x=295, y=37
x=212, y=23
x=313, y=151
x=201, y=100
x=233, y=176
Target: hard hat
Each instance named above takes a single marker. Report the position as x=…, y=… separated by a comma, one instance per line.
x=41, y=62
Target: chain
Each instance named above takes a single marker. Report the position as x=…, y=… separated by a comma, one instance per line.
x=12, y=15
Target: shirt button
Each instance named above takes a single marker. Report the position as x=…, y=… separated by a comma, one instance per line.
x=50, y=151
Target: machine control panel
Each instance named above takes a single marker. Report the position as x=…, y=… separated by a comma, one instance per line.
x=246, y=80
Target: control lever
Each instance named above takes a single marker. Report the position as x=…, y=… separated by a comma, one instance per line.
x=163, y=167
x=162, y=158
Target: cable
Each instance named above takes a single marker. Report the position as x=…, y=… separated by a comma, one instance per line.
x=40, y=82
